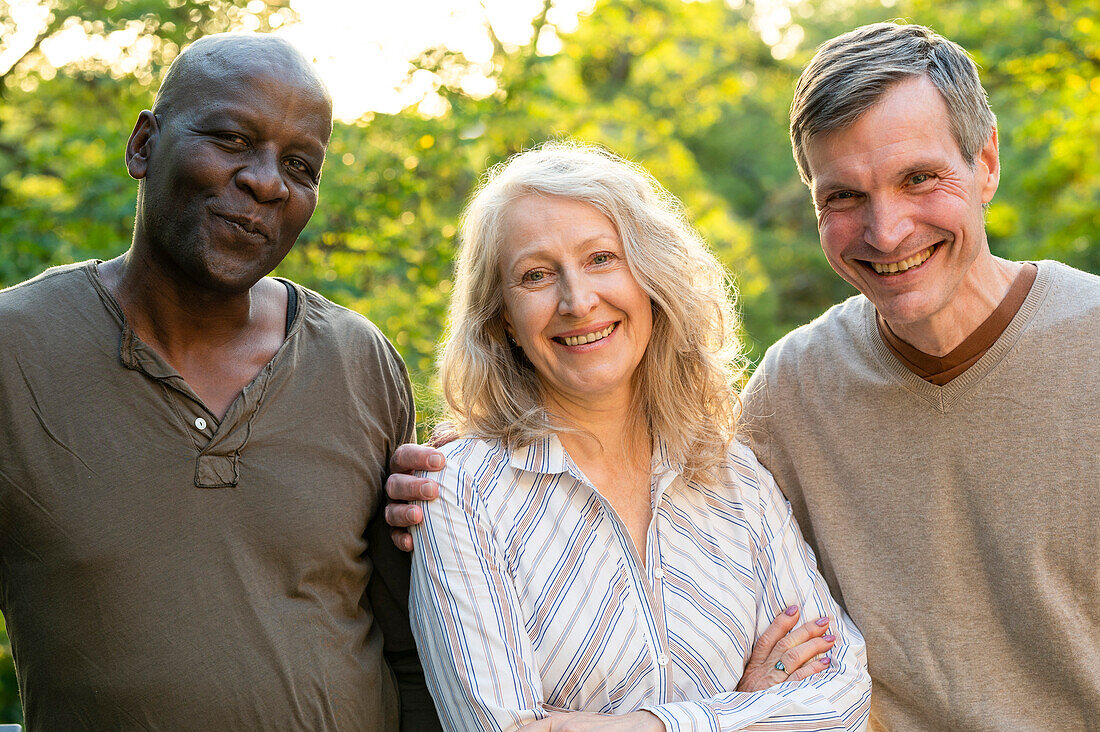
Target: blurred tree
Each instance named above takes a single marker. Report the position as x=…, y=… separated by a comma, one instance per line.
x=10, y=710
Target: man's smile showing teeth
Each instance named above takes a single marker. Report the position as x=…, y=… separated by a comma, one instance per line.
x=592, y=337
x=893, y=268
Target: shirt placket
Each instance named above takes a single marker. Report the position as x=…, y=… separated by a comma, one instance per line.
x=656, y=576
x=217, y=444
x=651, y=609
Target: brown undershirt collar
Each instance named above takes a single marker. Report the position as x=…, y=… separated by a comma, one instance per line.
x=939, y=370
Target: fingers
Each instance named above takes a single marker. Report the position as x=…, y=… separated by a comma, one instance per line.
x=442, y=435
x=796, y=648
x=804, y=632
x=800, y=659
x=795, y=657
x=402, y=539
x=403, y=515
x=809, y=669
x=411, y=457
x=767, y=641
x=401, y=487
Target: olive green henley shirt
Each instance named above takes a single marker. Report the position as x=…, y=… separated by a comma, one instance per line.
x=164, y=569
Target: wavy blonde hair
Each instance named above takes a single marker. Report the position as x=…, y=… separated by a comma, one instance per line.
x=685, y=384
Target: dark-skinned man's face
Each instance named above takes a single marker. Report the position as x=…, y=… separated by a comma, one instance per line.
x=232, y=172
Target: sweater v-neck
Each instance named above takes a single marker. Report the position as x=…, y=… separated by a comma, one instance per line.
x=943, y=398
x=942, y=369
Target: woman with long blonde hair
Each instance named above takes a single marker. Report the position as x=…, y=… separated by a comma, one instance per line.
x=604, y=554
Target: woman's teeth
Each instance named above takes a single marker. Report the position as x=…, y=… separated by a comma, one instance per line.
x=588, y=337
x=899, y=267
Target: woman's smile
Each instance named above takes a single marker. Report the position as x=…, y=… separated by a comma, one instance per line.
x=592, y=336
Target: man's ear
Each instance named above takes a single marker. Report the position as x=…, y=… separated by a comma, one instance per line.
x=140, y=145
x=989, y=167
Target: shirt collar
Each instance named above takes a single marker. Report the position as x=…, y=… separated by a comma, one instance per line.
x=548, y=456
x=665, y=470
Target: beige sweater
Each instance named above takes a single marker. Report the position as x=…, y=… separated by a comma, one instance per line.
x=959, y=525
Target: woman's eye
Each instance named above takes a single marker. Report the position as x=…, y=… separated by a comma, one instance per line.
x=533, y=276
x=601, y=258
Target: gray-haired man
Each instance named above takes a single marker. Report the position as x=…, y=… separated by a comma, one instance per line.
x=937, y=435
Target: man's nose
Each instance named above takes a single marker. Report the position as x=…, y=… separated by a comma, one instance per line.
x=263, y=177
x=888, y=223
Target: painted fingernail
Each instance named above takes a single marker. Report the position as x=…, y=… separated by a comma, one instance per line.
x=826, y=660
x=822, y=622
x=828, y=637
x=435, y=462
x=792, y=610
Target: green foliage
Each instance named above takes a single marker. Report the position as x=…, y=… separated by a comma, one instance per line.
x=10, y=711
x=689, y=89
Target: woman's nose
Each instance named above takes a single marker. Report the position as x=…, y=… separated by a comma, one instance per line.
x=578, y=295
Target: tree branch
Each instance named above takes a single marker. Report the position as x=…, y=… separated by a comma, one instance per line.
x=52, y=27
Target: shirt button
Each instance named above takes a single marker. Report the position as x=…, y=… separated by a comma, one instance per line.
x=200, y=423
x=662, y=660
x=659, y=572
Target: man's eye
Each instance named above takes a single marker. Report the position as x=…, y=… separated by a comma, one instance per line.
x=841, y=200
x=299, y=165
x=233, y=138
x=919, y=178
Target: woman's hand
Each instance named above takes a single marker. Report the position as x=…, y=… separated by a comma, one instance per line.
x=793, y=649
x=589, y=722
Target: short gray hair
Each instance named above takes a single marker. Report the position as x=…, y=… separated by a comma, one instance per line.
x=686, y=382
x=851, y=72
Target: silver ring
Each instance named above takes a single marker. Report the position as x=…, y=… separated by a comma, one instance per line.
x=780, y=667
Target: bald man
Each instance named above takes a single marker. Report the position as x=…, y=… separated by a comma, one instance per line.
x=194, y=452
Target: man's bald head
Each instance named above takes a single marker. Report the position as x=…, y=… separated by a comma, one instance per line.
x=213, y=58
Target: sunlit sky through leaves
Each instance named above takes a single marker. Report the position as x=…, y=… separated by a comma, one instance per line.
x=362, y=47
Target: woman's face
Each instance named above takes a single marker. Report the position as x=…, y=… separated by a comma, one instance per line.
x=571, y=302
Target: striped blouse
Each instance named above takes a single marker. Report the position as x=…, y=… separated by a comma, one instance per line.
x=528, y=596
